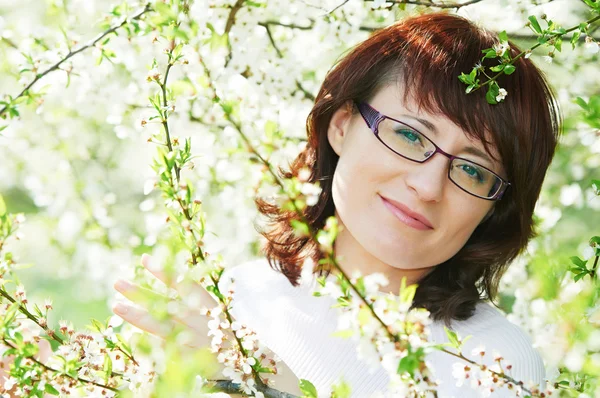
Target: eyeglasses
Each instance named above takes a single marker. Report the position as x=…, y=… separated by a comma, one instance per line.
x=411, y=144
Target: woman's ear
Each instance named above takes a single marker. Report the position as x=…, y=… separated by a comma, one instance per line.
x=338, y=126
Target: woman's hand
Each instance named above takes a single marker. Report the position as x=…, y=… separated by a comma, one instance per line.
x=195, y=323
x=139, y=316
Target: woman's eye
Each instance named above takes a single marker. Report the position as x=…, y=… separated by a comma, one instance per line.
x=472, y=172
x=409, y=135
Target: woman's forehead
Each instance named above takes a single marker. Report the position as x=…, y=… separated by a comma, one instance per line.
x=396, y=101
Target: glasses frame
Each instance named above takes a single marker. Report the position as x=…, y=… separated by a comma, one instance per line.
x=373, y=117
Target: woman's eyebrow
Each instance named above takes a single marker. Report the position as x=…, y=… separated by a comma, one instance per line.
x=471, y=150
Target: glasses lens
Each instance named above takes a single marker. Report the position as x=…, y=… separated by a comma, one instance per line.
x=413, y=145
x=405, y=140
x=474, y=179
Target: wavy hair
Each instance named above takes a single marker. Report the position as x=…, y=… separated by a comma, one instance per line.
x=427, y=53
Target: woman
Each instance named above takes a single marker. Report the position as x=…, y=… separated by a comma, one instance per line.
x=427, y=182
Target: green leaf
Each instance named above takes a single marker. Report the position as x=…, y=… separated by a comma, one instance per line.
x=579, y=263
x=453, y=337
x=465, y=78
x=509, y=69
x=558, y=44
x=51, y=390
x=300, y=227
x=535, y=24
x=579, y=276
x=308, y=389
x=490, y=53
x=595, y=187
x=212, y=289
x=341, y=390
x=493, y=91
x=107, y=368
x=30, y=349
x=408, y=364
x=575, y=38
x=124, y=345
x=503, y=36
x=96, y=325
x=595, y=241
x=497, y=68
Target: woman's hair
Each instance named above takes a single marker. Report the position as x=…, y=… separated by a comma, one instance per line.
x=426, y=54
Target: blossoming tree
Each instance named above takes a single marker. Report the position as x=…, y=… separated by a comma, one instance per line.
x=150, y=126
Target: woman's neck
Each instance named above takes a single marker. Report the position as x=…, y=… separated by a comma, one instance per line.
x=353, y=257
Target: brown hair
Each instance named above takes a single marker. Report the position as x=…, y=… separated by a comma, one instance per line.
x=428, y=52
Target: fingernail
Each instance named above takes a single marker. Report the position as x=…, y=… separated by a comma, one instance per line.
x=120, y=308
x=122, y=285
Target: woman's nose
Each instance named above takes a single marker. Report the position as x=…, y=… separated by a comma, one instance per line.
x=428, y=179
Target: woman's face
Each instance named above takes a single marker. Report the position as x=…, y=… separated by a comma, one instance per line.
x=367, y=171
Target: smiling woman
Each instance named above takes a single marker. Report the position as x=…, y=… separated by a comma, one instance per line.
x=451, y=223
x=411, y=68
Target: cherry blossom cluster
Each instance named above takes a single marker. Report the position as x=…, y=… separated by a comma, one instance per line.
x=406, y=333
x=239, y=350
x=487, y=379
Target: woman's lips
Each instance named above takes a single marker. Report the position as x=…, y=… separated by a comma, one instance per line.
x=405, y=218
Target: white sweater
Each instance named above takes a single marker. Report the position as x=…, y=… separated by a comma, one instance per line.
x=298, y=327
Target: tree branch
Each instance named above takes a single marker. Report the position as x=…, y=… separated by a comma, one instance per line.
x=431, y=4
x=48, y=368
x=308, y=95
x=229, y=387
x=71, y=54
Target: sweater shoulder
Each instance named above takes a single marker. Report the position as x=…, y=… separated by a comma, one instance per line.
x=254, y=278
x=494, y=335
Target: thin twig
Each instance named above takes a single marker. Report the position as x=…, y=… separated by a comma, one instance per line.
x=431, y=4
x=308, y=95
x=336, y=7
x=51, y=333
x=229, y=387
x=229, y=24
x=512, y=61
x=71, y=54
x=165, y=123
x=50, y=369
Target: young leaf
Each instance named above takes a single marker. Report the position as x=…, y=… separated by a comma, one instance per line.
x=341, y=390
x=503, y=36
x=595, y=187
x=51, y=390
x=509, y=69
x=308, y=389
x=535, y=24
x=453, y=337
x=490, y=96
x=579, y=276
x=579, y=263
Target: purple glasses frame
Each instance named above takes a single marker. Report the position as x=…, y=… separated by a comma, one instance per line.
x=373, y=117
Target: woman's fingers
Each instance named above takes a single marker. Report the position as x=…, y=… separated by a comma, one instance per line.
x=185, y=289
x=137, y=293
x=156, y=270
x=181, y=313
x=142, y=319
